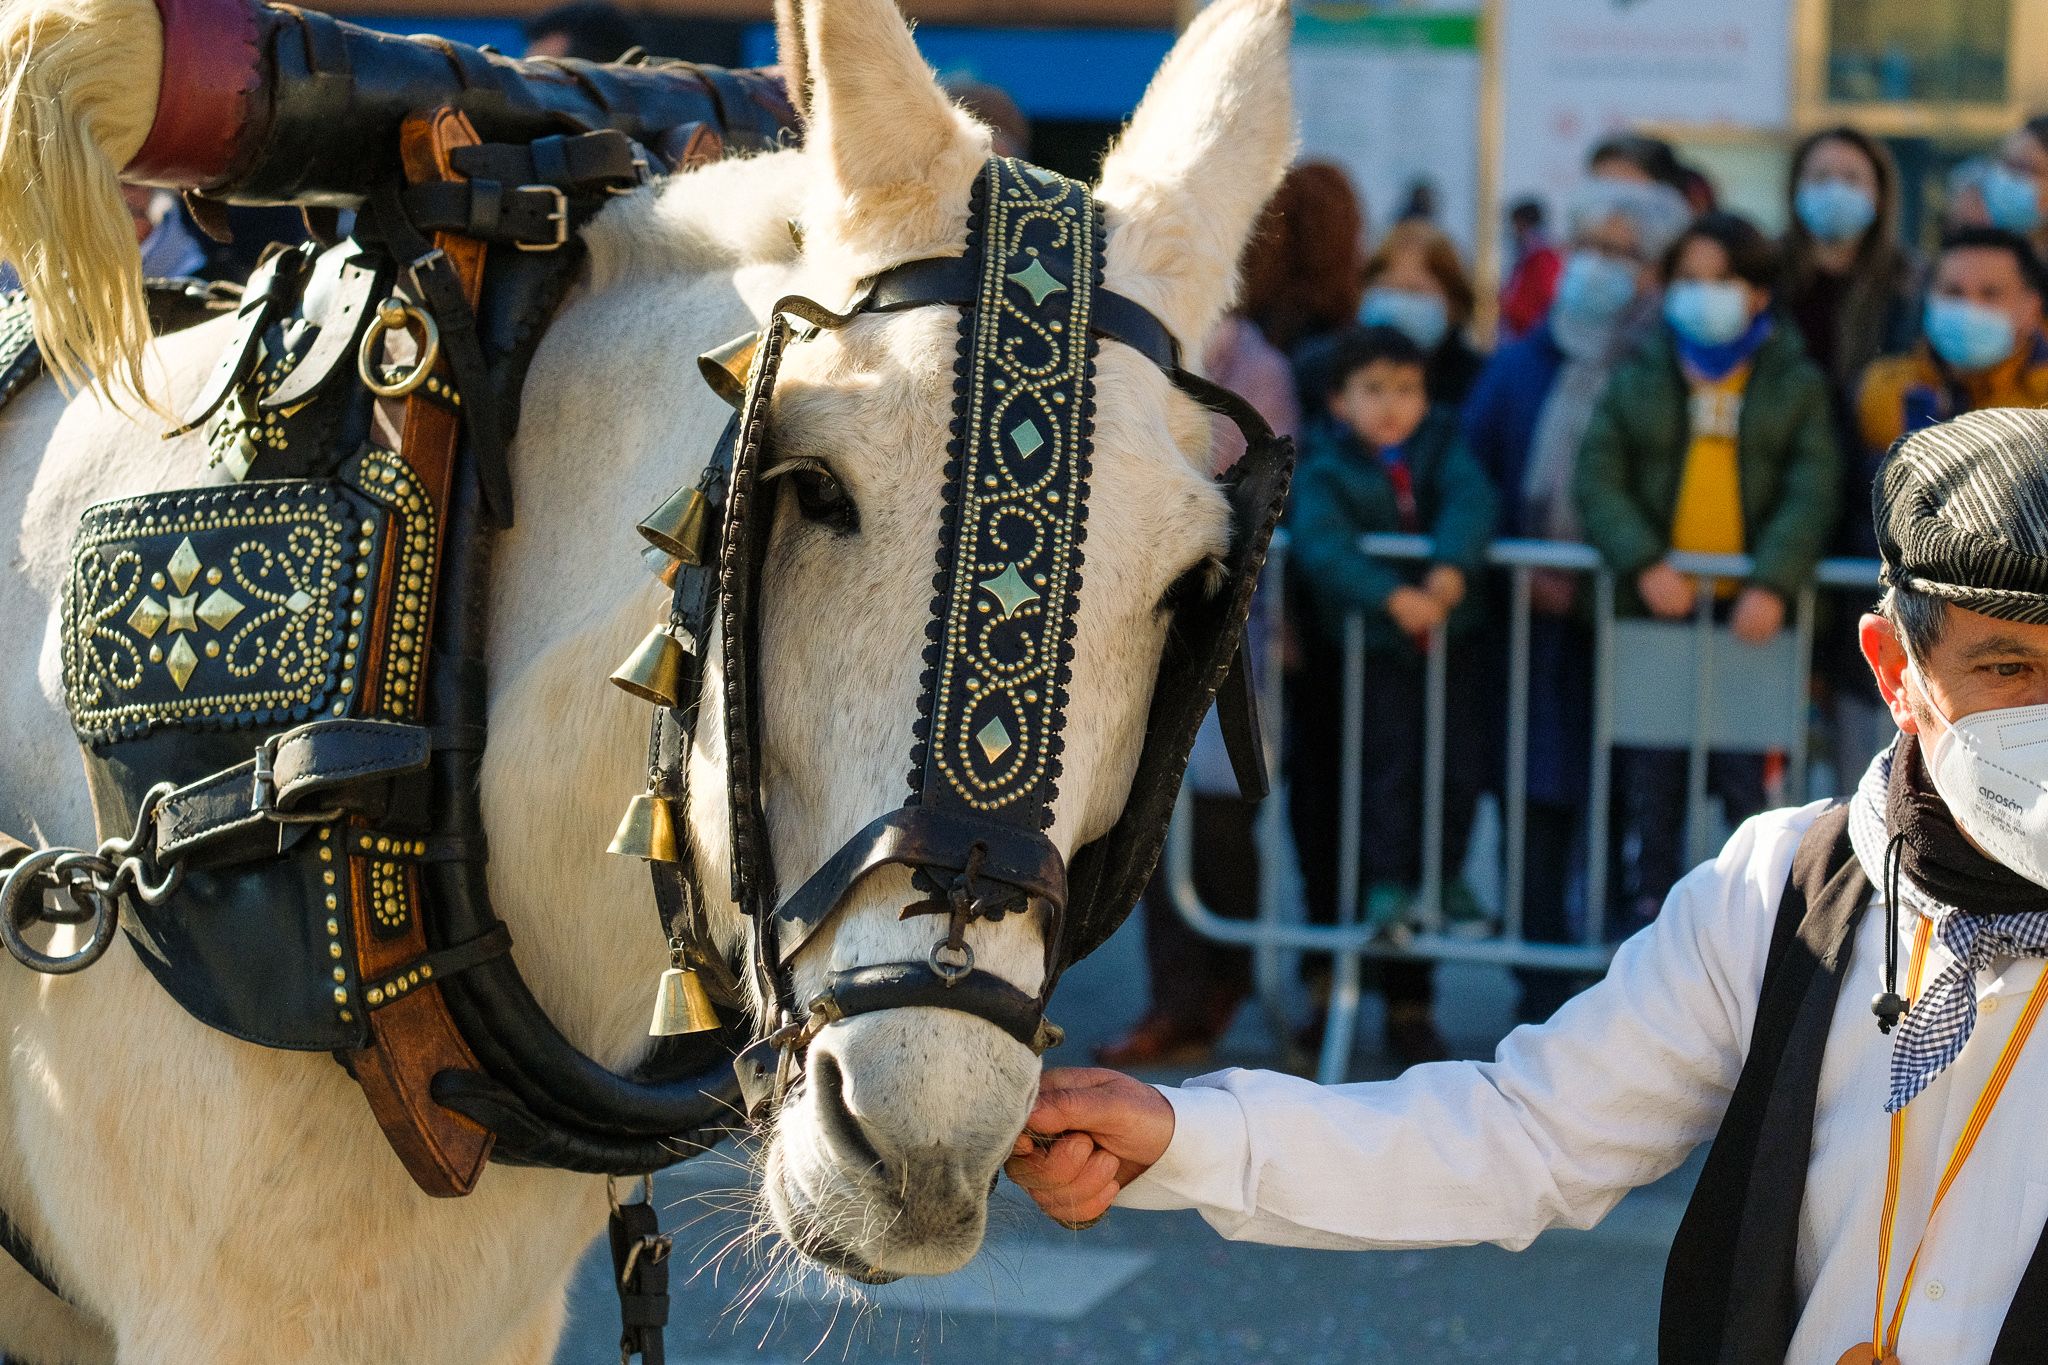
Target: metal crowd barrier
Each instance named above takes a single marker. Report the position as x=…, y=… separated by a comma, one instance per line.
x=1742, y=698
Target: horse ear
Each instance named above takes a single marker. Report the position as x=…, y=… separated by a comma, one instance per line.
x=792, y=54
x=1185, y=183
x=900, y=156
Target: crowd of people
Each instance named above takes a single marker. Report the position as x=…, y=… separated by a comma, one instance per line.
x=1668, y=378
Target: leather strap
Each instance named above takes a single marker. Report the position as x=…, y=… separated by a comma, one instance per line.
x=1237, y=715
x=269, y=296
x=951, y=280
x=923, y=837
x=532, y=216
x=640, y=1253
x=893, y=985
x=604, y=159
x=340, y=324
x=344, y=763
x=413, y=1038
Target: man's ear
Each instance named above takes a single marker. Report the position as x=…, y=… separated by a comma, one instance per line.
x=1887, y=659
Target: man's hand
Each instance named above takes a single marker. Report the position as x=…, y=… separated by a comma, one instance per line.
x=1668, y=593
x=1090, y=1134
x=1415, y=611
x=1759, y=614
x=1446, y=583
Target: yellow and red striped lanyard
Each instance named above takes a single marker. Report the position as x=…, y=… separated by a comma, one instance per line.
x=1882, y=1330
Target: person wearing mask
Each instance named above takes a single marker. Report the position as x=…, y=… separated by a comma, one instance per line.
x=1524, y=422
x=1717, y=437
x=1416, y=284
x=1874, y=1188
x=1853, y=291
x=1195, y=984
x=1848, y=284
x=1983, y=345
x=1642, y=159
x=1388, y=460
x=2015, y=188
x=1532, y=283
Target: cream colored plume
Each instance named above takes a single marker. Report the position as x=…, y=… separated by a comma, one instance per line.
x=78, y=92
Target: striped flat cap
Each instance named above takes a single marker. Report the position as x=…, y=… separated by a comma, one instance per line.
x=1962, y=513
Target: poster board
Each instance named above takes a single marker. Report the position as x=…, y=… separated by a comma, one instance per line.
x=1390, y=91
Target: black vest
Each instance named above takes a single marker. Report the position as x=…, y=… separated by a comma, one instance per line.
x=1729, y=1293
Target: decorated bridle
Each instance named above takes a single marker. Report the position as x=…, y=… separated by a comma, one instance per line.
x=986, y=743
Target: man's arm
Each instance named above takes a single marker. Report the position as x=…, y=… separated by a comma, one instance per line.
x=1613, y=1093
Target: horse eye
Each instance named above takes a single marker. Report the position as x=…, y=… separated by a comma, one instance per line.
x=820, y=497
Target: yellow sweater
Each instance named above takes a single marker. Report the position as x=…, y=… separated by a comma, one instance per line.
x=1708, y=518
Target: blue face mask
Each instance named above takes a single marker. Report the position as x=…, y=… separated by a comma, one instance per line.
x=1834, y=211
x=1707, y=313
x=1594, y=289
x=1421, y=317
x=2012, y=200
x=1968, y=335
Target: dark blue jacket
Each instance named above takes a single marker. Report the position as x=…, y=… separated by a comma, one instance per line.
x=1500, y=425
x=1500, y=416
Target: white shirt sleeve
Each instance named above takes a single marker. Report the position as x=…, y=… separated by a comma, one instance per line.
x=1612, y=1093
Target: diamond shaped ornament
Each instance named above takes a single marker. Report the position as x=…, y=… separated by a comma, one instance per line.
x=297, y=603
x=184, y=564
x=148, y=617
x=219, y=608
x=180, y=662
x=994, y=739
x=1010, y=591
x=1037, y=281
x=1027, y=438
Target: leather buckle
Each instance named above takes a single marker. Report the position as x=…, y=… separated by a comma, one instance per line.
x=559, y=216
x=263, y=800
x=641, y=173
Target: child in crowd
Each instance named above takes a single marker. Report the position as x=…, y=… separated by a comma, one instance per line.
x=1385, y=460
x=1717, y=437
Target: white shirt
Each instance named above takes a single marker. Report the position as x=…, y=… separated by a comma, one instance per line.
x=1617, y=1089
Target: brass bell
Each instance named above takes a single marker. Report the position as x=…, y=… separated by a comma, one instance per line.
x=726, y=368
x=681, y=525
x=647, y=830
x=654, y=671
x=681, y=1005
x=661, y=564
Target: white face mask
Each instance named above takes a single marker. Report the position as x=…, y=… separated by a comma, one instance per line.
x=1991, y=771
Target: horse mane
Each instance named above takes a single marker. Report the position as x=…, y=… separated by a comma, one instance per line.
x=79, y=81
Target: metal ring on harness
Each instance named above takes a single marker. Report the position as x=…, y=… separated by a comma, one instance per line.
x=397, y=315
x=86, y=878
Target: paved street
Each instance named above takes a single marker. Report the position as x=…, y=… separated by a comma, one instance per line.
x=1145, y=1287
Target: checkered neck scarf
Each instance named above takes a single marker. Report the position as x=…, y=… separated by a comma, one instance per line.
x=1940, y=1022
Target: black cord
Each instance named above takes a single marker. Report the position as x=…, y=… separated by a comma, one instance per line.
x=1889, y=1006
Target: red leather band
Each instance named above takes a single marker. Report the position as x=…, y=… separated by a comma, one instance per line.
x=212, y=65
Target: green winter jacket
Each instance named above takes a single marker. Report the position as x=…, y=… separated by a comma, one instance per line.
x=1343, y=491
x=1788, y=461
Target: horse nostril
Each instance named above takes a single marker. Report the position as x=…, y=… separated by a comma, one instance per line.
x=842, y=1130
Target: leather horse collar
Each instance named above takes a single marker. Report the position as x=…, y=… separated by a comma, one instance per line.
x=985, y=745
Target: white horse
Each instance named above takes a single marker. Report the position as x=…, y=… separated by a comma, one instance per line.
x=207, y=1202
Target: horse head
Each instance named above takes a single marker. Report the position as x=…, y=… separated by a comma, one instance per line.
x=880, y=1159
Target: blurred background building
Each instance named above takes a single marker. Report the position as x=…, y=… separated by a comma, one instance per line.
x=1458, y=109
